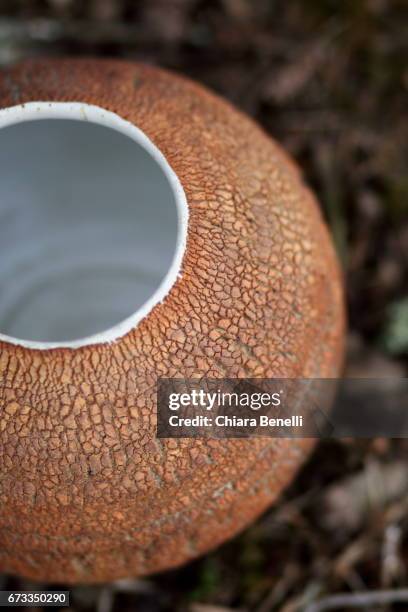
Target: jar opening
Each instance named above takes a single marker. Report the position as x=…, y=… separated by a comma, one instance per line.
x=93, y=225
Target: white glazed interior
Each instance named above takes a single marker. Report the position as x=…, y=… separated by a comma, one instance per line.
x=93, y=225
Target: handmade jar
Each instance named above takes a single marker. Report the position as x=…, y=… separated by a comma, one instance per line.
x=147, y=229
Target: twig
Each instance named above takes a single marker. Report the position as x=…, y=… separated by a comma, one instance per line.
x=358, y=600
x=105, y=600
x=391, y=559
x=351, y=554
x=280, y=589
x=44, y=30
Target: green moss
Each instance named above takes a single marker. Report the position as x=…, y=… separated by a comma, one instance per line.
x=209, y=580
x=395, y=335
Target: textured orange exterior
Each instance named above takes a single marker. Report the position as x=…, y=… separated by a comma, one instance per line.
x=87, y=492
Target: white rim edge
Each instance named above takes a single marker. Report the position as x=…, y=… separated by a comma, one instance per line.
x=95, y=114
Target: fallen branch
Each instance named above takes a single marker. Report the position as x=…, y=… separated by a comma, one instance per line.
x=358, y=600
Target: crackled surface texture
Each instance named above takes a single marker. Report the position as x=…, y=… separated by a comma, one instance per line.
x=86, y=491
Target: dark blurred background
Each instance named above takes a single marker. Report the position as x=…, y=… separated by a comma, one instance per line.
x=329, y=80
